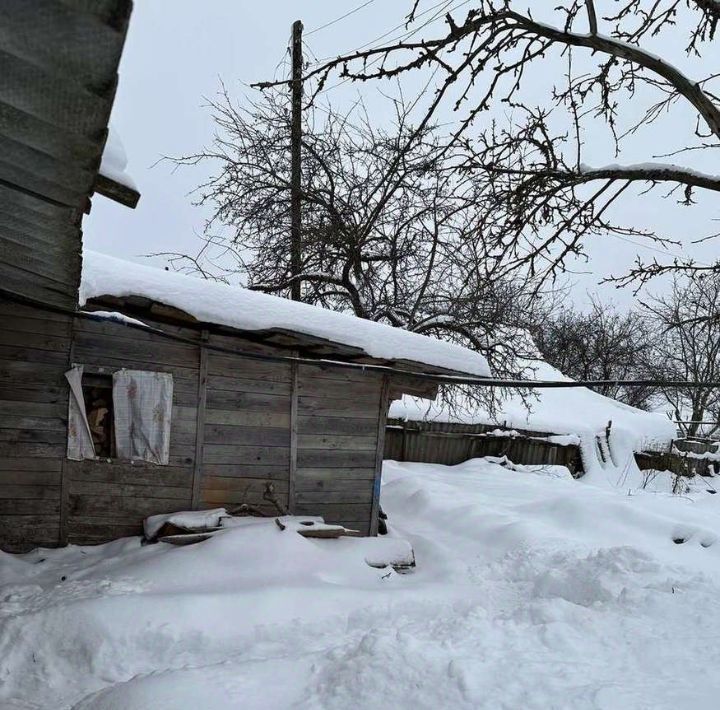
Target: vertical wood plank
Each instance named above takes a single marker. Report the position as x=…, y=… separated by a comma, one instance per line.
x=200, y=421
x=294, y=375
x=64, y=475
x=382, y=424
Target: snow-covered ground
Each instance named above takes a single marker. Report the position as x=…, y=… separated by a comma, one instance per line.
x=532, y=590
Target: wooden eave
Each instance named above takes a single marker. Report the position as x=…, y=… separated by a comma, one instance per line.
x=116, y=191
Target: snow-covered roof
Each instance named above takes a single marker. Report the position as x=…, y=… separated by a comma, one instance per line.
x=114, y=160
x=235, y=307
x=556, y=411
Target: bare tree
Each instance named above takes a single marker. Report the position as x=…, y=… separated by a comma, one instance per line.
x=389, y=233
x=540, y=200
x=599, y=344
x=686, y=347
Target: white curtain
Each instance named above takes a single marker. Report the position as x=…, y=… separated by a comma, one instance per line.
x=80, y=444
x=142, y=403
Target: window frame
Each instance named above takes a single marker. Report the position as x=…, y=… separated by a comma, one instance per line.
x=110, y=371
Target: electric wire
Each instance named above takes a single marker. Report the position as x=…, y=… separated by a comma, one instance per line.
x=338, y=19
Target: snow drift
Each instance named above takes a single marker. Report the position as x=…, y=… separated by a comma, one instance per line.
x=531, y=591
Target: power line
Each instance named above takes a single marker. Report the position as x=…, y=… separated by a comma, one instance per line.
x=399, y=38
x=444, y=3
x=338, y=19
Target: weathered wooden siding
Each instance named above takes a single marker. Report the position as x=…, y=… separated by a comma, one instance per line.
x=337, y=430
x=449, y=444
x=58, y=74
x=680, y=463
x=246, y=428
x=34, y=347
x=238, y=423
x=40, y=247
x=107, y=499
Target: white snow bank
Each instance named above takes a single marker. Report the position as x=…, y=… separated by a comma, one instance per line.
x=532, y=591
x=556, y=411
x=114, y=160
x=236, y=307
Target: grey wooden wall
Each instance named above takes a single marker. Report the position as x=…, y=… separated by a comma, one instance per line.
x=246, y=428
x=104, y=500
x=58, y=75
x=237, y=423
x=449, y=444
x=40, y=248
x=339, y=413
x=34, y=348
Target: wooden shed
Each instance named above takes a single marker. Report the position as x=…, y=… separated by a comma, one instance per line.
x=198, y=395
x=264, y=391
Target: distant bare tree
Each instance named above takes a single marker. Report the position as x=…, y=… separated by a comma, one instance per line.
x=599, y=344
x=539, y=199
x=686, y=347
x=388, y=233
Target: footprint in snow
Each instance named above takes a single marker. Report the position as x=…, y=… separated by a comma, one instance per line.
x=684, y=533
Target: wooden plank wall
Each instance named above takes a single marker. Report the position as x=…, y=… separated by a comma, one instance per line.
x=247, y=428
x=58, y=75
x=40, y=247
x=105, y=499
x=34, y=352
x=450, y=444
x=337, y=438
x=313, y=433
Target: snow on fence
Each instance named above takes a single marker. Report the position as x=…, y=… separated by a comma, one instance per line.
x=450, y=443
x=686, y=457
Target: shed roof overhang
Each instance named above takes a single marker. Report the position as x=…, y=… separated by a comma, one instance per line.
x=407, y=380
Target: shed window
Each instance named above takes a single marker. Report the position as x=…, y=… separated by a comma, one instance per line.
x=126, y=415
x=98, y=395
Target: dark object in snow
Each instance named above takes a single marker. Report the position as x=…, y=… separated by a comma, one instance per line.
x=679, y=540
x=382, y=522
x=391, y=552
x=170, y=532
x=282, y=526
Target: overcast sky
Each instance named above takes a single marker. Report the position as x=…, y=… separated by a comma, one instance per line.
x=176, y=54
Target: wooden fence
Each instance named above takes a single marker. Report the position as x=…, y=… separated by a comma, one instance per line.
x=686, y=457
x=449, y=444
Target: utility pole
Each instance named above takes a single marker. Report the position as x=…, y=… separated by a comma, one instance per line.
x=295, y=171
